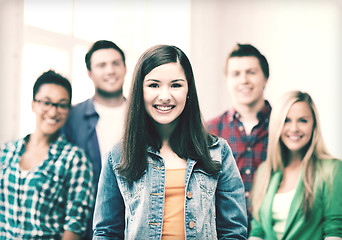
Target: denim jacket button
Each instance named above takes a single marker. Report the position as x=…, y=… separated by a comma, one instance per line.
x=189, y=194
x=191, y=224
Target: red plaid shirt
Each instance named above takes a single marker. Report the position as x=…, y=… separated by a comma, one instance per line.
x=248, y=150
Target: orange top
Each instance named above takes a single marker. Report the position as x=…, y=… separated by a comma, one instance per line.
x=173, y=223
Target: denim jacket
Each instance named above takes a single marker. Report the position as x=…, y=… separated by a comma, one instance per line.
x=215, y=209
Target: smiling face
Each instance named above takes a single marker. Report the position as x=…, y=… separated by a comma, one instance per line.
x=246, y=80
x=165, y=91
x=50, y=120
x=107, y=71
x=298, y=127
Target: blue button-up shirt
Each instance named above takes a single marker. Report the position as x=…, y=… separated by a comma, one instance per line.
x=135, y=210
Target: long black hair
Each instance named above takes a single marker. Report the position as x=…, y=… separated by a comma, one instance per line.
x=189, y=139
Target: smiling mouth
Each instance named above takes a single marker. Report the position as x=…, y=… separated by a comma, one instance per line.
x=111, y=80
x=51, y=121
x=294, y=138
x=163, y=108
x=245, y=90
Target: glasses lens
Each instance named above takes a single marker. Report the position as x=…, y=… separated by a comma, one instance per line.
x=63, y=107
x=45, y=105
x=60, y=107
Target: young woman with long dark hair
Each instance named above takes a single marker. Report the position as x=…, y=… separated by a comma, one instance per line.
x=169, y=178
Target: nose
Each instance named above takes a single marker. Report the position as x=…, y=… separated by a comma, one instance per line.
x=164, y=95
x=110, y=69
x=53, y=110
x=293, y=126
x=244, y=78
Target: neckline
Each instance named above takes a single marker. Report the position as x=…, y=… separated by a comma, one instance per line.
x=176, y=169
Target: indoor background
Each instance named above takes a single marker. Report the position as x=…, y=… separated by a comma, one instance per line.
x=302, y=41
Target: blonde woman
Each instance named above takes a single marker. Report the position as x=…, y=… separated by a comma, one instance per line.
x=297, y=193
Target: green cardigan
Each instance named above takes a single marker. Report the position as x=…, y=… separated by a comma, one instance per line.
x=326, y=218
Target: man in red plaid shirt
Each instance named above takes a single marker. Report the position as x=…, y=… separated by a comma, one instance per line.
x=245, y=125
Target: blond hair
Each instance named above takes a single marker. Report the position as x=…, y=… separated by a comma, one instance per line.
x=315, y=151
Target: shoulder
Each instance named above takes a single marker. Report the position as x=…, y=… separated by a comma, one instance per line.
x=261, y=167
x=264, y=114
x=78, y=115
x=219, y=119
x=83, y=104
x=328, y=173
x=14, y=145
x=114, y=155
x=9, y=147
x=82, y=107
x=219, y=148
x=69, y=149
x=329, y=164
x=216, y=142
x=267, y=108
x=329, y=167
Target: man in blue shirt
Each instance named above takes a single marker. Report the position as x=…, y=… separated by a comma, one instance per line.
x=96, y=124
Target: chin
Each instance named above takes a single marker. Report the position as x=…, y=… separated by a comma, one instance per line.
x=246, y=101
x=51, y=131
x=163, y=122
x=296, y=148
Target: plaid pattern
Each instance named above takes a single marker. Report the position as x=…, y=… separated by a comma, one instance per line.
x=248, y=150
x=42, y=203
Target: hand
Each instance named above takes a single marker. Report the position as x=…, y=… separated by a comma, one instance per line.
x=67, y=235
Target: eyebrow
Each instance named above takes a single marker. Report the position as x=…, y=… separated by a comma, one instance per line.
x=302, y=117
x=156, y=80
x=238, y=70
x=114, y=60
x=46, y=98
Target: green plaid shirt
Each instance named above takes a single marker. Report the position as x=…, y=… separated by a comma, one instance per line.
x=42, y=203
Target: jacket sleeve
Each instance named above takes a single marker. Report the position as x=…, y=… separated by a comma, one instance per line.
x=332, y=197
x=109, y=215
x=231, y=213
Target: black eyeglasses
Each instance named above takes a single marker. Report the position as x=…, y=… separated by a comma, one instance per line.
x=46, y=106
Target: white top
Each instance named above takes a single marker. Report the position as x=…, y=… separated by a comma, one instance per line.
x=109, y=128
x=24, y=173
x=280, y=211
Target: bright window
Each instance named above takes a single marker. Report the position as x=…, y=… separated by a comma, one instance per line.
x=57, y=35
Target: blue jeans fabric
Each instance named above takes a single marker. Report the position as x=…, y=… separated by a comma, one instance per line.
x=134, y=210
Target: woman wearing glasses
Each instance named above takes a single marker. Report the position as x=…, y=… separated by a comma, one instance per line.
x=45, y=182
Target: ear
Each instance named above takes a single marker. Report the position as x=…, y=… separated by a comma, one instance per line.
x=125, y=71
x=32, y=106
x=89, y=73
x=266, y=81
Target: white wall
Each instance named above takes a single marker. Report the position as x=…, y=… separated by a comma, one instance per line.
x=302, y=41
x=11, y=31
x=134, y=25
